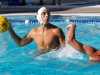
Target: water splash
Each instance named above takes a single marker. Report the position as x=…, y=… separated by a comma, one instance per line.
x=69, y=52
x=63, y=53
x=3, y=42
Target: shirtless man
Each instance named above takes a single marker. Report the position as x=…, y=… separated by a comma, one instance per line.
x=46, y=36
x=93, y=53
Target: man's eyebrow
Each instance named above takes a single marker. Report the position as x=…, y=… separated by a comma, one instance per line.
x=45, y=12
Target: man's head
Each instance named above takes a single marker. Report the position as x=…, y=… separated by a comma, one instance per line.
x=43, y=15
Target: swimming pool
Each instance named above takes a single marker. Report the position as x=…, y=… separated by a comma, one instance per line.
x=16, y=60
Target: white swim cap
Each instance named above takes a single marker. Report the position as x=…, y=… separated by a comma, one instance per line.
x=39, y=14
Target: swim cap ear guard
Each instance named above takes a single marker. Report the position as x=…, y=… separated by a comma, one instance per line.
x=39, y=15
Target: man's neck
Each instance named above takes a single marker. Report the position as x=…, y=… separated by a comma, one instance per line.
x=44, y=27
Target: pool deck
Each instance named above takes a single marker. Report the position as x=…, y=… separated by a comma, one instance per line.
x=55, y=9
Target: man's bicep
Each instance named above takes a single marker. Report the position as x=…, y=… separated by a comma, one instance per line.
x=26, y=40
x=60, y=33
x=61, y=37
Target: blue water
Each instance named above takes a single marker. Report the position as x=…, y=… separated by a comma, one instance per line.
x=16, y=60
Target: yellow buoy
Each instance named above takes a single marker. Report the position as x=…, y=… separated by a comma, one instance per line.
x=4, y=24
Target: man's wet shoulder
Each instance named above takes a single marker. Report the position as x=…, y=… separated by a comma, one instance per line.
x=53, y=26
x=34, y=30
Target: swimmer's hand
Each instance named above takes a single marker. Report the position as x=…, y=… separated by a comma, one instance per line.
x=40, y=53
x=43, y=52
x=69, y=26
x=36, y=55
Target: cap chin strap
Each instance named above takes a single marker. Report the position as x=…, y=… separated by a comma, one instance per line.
x=45, y=23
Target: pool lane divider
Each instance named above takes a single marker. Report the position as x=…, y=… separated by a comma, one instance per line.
x=85, y=21
x=33, y=21
x=54, y=20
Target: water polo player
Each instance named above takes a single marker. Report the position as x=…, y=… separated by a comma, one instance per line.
x=46, y=36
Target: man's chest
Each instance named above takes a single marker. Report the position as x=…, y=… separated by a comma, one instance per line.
x=44, y=38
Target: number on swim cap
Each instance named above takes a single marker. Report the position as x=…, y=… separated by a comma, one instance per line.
x=4, y=24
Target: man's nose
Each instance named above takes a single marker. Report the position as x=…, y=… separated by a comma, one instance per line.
x=46, y=14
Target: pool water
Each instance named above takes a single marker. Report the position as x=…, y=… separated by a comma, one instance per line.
x=16, y=60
